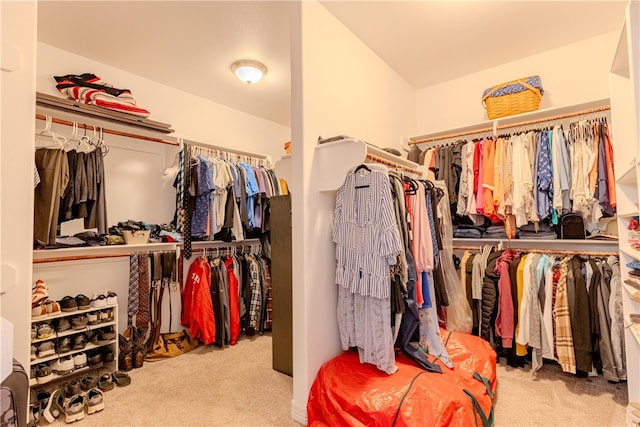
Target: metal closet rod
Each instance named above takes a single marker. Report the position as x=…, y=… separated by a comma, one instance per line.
x=395, y=165
x=507, y=126
x=543, y=251
x=225, y=149
x=109, y=131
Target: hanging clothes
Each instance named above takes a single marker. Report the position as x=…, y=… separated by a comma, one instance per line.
x=367, y=244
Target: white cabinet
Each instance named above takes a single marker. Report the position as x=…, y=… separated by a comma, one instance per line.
x=625, y=107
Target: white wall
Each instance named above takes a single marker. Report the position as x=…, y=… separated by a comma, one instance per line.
x=192, y=117
x=572, y=74
x=16, y=169
x=339, y=86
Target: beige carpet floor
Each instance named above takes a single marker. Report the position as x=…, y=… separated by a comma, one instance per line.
x=236, y=386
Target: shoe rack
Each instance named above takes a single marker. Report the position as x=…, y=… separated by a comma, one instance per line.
x=109, y=321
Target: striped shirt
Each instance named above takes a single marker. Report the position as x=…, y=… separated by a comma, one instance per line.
x=365, y=232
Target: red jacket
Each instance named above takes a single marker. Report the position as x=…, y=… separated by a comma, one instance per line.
x=197, y=313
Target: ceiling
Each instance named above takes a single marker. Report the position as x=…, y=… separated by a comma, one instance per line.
x=191, y=45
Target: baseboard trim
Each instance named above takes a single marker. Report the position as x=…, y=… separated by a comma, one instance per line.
x=299, y=413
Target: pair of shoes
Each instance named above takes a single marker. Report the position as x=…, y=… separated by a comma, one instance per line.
x=92, y=399
x=63, y=365
x=39, y=293
x=46, y=349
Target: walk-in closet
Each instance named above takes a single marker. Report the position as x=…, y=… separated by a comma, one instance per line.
x=352, y=233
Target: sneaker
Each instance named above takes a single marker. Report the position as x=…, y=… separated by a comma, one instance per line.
x=112, y=298
x=34, y=332
x=33, y=380
x=96, y=360
x=106, y=316
x=83, y=302
x=44, y=373
x=44, y=330
x=55, y=406
x=107, y=355
x=33, y=352
x=72, y=388
x=63, y=366
x=68, y=304
x=74, y=409
x=46, y=349
x=87, y=382
x=53, y=307
x=38, y=312
x=63, y=324
x=95, y=401
x=64, y=345
x=79, y=341
x=79, y=360
x=99, y=301
x=93, y=318
x=79, y=322
x=39, y=292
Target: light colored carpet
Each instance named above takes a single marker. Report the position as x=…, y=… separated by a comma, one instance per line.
x=553, y=398
x=236, y=386
x=208, y=386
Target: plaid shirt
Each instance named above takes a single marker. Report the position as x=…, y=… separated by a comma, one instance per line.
x=564, y=336
x=256, y=293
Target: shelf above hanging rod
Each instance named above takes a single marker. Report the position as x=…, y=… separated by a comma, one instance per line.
x=108, y=131
x=525, y=119
x=68, y=105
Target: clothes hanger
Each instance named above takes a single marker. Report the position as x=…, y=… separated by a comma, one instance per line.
x=73, y=140
x=57, y=140
x=84, y=146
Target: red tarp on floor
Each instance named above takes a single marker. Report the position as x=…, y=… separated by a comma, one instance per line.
x=348, y=393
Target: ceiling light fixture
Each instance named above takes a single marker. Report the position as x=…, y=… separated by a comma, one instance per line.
x=248, y=70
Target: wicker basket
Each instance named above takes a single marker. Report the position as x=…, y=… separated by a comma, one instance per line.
x=516, y=102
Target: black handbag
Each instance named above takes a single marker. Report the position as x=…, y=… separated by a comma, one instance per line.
x=571, y=226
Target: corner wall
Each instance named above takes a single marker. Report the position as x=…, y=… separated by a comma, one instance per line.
x=571, y=74
x=16, y=171
x=339, y=87
x=193, y=117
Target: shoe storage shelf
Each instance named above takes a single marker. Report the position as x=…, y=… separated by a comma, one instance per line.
x=89, y=339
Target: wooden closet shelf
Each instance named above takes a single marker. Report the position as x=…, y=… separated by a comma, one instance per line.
x=92, y=111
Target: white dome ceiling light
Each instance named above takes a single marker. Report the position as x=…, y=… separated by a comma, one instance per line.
x=248, y=70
